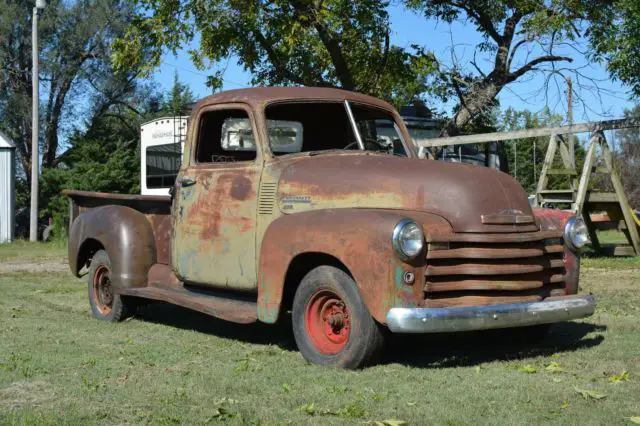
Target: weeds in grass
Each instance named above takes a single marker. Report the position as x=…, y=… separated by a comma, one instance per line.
x=20, y=364
x=93, y=385
x=247, y=364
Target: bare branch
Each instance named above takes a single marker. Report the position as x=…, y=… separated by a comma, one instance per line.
x=512, y=76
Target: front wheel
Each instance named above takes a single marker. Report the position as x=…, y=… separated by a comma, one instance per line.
x=331, y=324
x=106, y=305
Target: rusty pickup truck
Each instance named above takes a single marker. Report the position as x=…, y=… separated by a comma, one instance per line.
x=288, y=201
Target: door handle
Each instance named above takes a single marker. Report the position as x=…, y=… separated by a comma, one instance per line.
x=187, y=181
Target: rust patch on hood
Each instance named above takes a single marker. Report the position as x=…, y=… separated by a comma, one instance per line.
x=460, y=193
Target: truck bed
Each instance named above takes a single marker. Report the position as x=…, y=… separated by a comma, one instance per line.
x=157, y=209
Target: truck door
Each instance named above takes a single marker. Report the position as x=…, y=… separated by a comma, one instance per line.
x=214, y=239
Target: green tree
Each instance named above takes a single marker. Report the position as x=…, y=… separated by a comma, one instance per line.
x=342, y=43
x=526, y=156
x=179, y=99
x=347, y=44
x=103, y=157
x=616, y=41
x=75, y=69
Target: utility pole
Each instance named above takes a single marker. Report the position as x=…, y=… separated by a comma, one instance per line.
x=569, y=137
x=35, y=121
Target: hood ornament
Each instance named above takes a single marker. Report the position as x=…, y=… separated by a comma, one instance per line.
x=506, y=217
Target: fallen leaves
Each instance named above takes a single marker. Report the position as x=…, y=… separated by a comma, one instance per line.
x=554, y=367
x=589, y=394
x=355, y=410
x=617, y=378
x=389, y=422
x=529, y=369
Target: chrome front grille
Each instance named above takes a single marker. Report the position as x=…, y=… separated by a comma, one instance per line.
x=486, y=269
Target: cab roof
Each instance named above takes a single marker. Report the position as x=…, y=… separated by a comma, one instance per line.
x=264, y=95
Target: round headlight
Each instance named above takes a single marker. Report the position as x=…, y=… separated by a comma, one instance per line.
x=408, y=239
x=576, y=234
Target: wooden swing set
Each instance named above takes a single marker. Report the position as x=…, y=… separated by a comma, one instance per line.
x=600, y=210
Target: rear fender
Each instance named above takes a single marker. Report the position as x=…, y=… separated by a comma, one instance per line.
x=125, y=234
x=360, y=239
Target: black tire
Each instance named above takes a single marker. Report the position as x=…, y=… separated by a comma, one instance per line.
x=325, y=342
x=105, y=305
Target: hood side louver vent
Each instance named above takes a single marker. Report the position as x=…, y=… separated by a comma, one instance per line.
x=267, y=197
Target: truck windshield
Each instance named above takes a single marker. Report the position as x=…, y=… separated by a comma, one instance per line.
x=321, y=126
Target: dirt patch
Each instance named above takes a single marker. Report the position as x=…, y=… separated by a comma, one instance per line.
x=48, y=265
x=26, y=394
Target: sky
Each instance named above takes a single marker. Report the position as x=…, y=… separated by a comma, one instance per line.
x=409, y=28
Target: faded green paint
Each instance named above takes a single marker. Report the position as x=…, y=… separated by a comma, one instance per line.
x=399, y=280
x=214, y=243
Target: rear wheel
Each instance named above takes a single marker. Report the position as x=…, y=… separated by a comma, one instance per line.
x=331, y=324
x=106, y=305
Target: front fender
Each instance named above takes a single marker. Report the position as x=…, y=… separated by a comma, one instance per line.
x=125, y=234
x=360, y=239
x=549, y=219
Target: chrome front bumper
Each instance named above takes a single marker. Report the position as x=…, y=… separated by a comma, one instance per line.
x=442, y=320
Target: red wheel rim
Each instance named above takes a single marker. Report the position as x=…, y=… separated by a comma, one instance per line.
x=102, y=294
x=327, y=322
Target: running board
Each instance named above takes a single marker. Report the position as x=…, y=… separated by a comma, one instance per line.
x=226, y=308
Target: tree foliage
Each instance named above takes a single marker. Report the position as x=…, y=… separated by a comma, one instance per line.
x=179, y=99
x=347, y=44
x=75, y=69
x=526, y=156
x=616, y=40
x=341, y=43
x=104, y=155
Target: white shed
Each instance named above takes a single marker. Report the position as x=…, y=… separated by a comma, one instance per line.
x=7, y=188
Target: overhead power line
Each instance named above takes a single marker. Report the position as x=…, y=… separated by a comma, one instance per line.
x=235, y=83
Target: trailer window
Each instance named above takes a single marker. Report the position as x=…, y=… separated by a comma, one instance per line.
x=225, y=136
x=163, y=163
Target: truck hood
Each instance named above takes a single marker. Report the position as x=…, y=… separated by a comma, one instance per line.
x=470, y=198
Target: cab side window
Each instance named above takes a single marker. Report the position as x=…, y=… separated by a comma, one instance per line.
x=225, y=136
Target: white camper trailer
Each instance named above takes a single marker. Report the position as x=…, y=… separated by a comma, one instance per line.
x=162, y=143
x=7, y=188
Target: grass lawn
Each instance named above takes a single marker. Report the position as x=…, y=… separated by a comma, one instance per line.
x=173, y=366
x=20, y=250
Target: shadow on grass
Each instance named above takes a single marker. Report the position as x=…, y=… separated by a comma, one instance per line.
x=422, y=351
x=259, y=333
x=473, y=348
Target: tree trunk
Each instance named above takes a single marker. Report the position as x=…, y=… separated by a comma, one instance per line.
x=479, y=98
